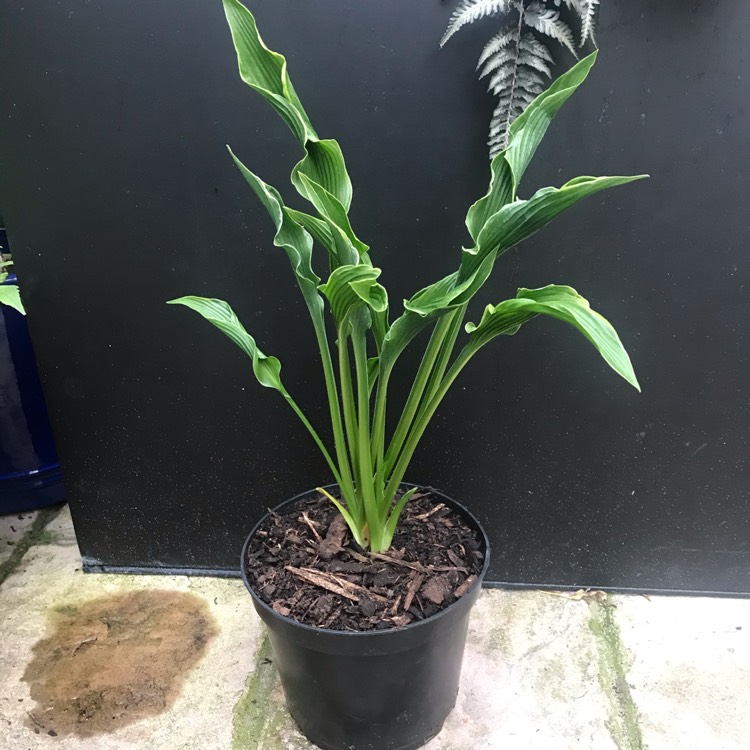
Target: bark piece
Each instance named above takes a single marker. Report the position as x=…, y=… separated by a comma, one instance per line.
x=464, y=587
x=325, y=581
x=436, y=589
x=416, y=582
x=334, y=540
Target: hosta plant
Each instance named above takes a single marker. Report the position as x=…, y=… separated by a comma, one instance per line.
x=359, y=350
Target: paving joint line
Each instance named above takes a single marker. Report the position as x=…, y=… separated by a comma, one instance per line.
x=623, y=723
x=33, y=536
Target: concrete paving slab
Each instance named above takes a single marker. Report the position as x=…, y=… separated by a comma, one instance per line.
x=529, y=682
x=49, y=576
x=12, y=529
x=689, y=671
x=530, y=677
x=542, y=671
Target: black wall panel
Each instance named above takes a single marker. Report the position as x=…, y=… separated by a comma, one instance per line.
x=118, y=194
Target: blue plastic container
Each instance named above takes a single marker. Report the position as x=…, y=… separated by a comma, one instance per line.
x=29, y=468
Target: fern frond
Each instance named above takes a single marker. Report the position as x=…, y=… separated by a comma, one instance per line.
x=502, y=80
x=516, y=61
x=498, y=132
x=525, y=97
x=500, y=40
x=588, y=20
x=520, y=69
x=472, y=10
x=500, y=54
x=548, y=22
x=502, y=72
x=586, y=10
x=534, y=46
x=530, y=60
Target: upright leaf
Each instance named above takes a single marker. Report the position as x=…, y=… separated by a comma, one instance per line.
x=290, y=236
x=334, y=213
x=324, y=164
x=320, y=232
x=563, y=303
x=266, y=72
x=501, y=190
x=528, y=129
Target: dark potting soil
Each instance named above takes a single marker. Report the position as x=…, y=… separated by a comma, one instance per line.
x=305, y=565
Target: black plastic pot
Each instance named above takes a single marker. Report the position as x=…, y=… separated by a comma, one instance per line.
x=376, y=690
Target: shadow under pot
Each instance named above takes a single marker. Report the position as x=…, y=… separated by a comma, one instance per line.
x=373, y=690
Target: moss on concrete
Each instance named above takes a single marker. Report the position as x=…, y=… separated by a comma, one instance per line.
x=35, y=535
x=261, y=721
x=623, y=719
x=47, y=537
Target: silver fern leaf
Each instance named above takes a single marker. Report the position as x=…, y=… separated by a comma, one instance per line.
x=472, y=10
x=517, y=62
x=500, y=40
x=518, y=65
x=588, y=20
x=586, y=10
x=548, y=22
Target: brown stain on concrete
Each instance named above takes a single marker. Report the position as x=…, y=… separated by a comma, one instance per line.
x=114, y=660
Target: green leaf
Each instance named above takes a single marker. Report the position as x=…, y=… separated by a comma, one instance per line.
x=334, y=213
x=353, y=288
x=426, y=306
x=298, y=246
x=350, y=522
x=266, y=72
x=529, y=128
x=267, y=369
x=525, y=135
x=516, y=221
x=324, y=164
x=392, y=522
x=290, y=236
x=320, y=232
x=563, y=303
x=9, y=295
x=502, y=187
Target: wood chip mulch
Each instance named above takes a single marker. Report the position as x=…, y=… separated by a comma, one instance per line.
x=306, y=566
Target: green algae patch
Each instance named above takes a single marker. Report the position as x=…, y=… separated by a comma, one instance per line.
x=35, y=535
x=47, y=537
x=623, y=715
x=261, y=721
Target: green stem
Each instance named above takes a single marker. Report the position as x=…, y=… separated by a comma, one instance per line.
x=415, y=436
x=366, y=488
x=446, y=352
x=378, y=431
x=339, y=440
x=415, y=395
x=347, y=399
x=315, y=436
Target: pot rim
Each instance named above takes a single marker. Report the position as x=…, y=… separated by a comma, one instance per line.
x=371, y=633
